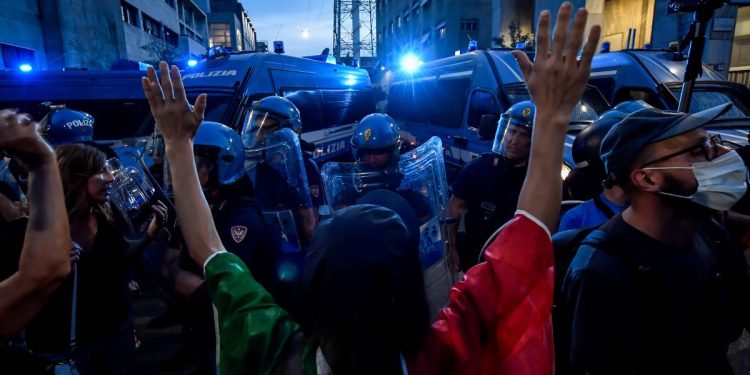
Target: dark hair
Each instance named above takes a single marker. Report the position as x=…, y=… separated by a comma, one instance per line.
x=365, y=299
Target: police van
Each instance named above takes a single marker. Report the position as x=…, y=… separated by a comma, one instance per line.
x=460, y=99
x=331, y=98
x=655, y=76
x=114, y=98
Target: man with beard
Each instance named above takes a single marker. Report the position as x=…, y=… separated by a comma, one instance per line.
x=659, y=288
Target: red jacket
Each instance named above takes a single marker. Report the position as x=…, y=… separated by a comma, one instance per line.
x=498, y=320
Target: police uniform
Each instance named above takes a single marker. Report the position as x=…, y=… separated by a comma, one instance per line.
x=490, y=186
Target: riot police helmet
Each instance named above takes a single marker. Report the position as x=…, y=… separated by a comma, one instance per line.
x=376, y=134
x=520, y=115
x=219, y=149
x=586, y=145
x=270, y=114
x=64, y=126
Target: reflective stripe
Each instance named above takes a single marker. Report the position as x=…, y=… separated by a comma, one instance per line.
x=603, y=73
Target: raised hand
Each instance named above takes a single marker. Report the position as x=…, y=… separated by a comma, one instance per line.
x=176, y=119
x=556, y=79
x=20, y=136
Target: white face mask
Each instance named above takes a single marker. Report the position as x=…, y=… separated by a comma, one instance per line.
x=722, y=182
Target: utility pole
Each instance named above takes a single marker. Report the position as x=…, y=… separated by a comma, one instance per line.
x=354, y=30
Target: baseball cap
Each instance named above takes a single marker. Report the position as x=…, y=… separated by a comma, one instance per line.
x=629, y=137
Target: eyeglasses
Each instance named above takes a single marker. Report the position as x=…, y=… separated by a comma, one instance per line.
x=709, y=147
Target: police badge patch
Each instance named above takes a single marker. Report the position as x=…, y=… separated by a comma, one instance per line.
x=238, y=233
x=368, y=135
x=526, y=111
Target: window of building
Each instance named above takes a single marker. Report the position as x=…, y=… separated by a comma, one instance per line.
x=470, y=24
x=13, y=56
x=442, y=32
x=170, y=36
x=151, y=26
x=129, y=14
x=238, y=37
x=170, y=3
x=219, y=34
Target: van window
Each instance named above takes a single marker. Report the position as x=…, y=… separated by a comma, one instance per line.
x=447, y=102
x=409, y=101
x=605, y=84
x=309, y=105
x=636, y=93
x=481, y=103
x=346, y=106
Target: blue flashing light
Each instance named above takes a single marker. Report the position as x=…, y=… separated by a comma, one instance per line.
x=605, y=47
x=410, y=63
x=192, y=62
x=25, y=68
x=520, y=45
x=473, y=45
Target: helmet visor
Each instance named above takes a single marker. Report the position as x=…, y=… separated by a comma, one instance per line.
x=258, y=125
x=512, y=139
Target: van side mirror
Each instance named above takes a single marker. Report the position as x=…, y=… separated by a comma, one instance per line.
x=488, y=127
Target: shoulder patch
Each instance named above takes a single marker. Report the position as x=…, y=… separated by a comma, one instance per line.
x=238, y=233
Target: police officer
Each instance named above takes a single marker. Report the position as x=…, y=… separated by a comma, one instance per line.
x=220, y=158
x=487, y=188
x=63, y=126
x=376, y=146
x=607, y=198
x=273, y=113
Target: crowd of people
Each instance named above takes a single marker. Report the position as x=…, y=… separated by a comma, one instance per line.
x=645, y=274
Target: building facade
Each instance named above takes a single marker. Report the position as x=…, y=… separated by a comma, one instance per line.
x=229, y=25
x=430, y=29
x=636, y=24
x=94, y=34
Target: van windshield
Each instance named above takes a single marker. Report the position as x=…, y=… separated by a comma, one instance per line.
x=710, y=94
x=591, y=105
x=216, y=105
x=113, y=118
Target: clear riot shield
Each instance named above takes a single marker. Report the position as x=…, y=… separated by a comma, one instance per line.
x=281, y=189
x=421, y=180
x=132, y=192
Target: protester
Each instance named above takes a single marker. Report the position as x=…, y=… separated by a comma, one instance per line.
x=610, y=200
x=498, y=320
x=104, y=338
x=220, y=162
x=487, y=188
x=44, y=260
x=661, y=288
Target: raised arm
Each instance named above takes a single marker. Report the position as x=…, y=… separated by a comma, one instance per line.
x=178, y=122
x=45, y=257
x=556, y=80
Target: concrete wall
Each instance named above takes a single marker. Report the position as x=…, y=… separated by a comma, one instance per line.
x=22, y=27
x=91, y=32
